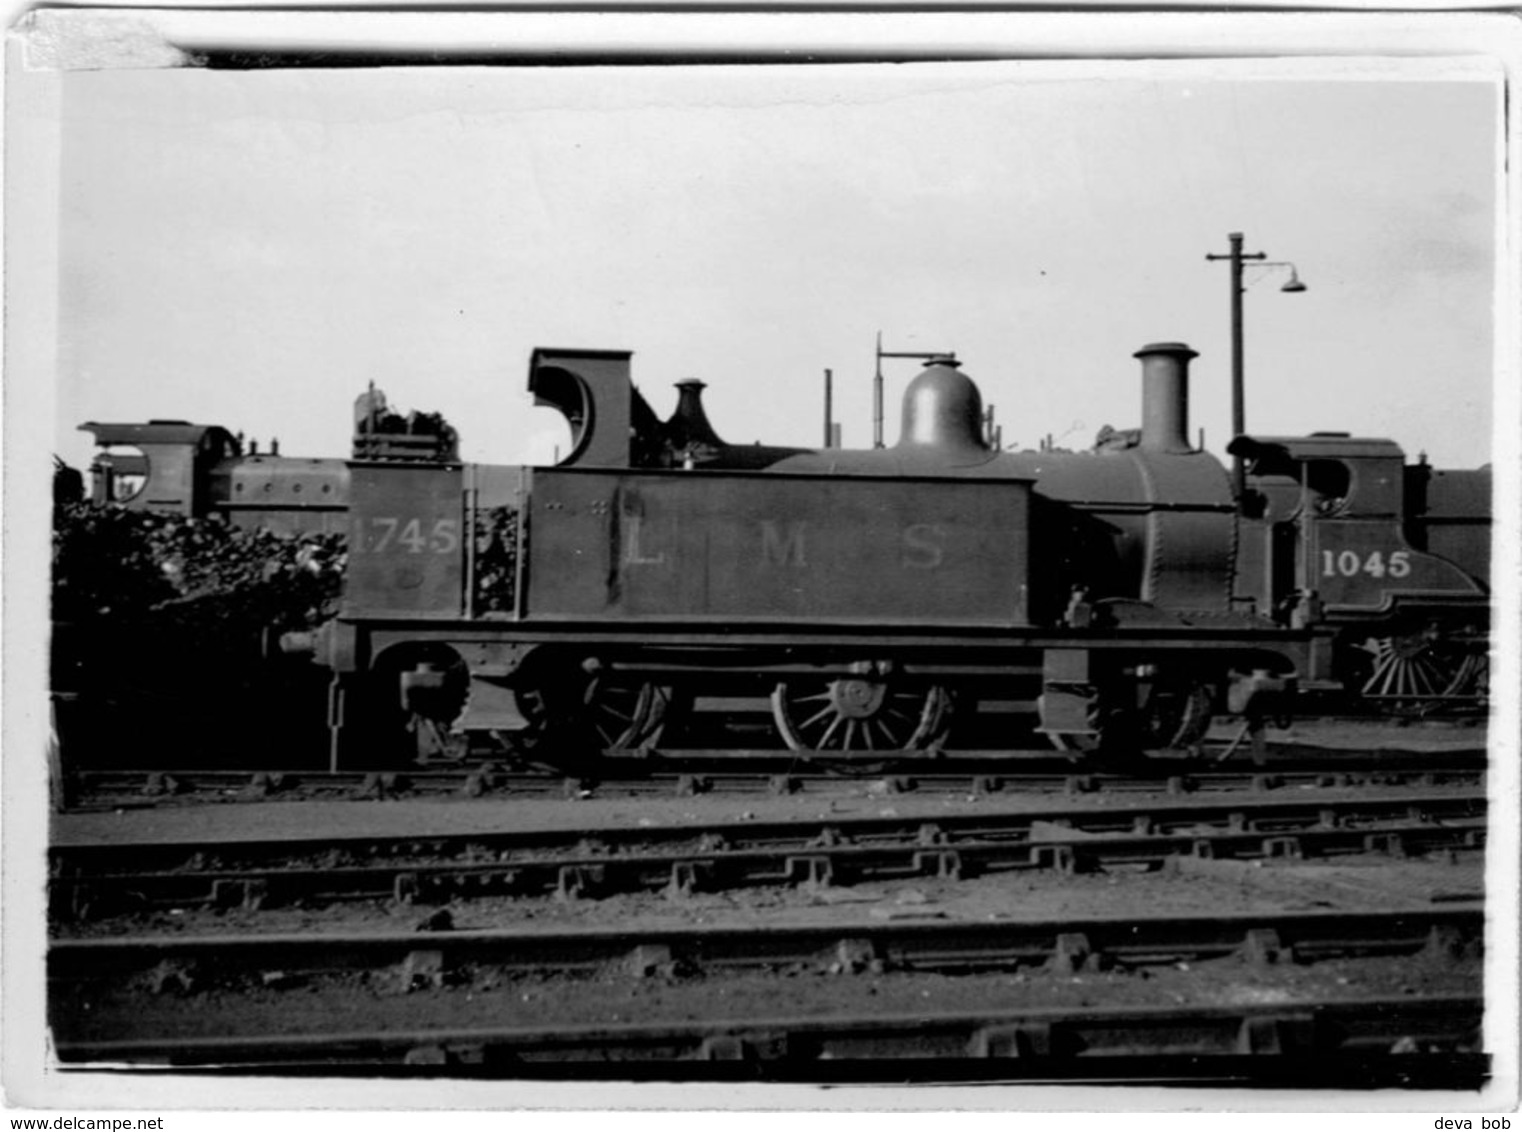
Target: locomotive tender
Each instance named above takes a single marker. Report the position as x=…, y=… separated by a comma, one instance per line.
x=658, y=581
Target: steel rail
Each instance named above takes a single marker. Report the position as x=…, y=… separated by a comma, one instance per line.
x=681, y=874
x=1396, y=1035
x=1399, y=1032
x=784, y=777
x=713, y=866
x=1257, y=815
x=1413, y=1041
x=424, y=961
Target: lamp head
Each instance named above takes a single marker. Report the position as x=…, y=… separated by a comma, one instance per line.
x=1294, y=285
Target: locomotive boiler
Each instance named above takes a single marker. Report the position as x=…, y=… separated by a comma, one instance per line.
x=660, y=587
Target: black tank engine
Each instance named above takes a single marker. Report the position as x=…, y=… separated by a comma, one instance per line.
x=659, y=585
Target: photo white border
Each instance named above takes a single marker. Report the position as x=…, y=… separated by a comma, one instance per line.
x=1299, y=44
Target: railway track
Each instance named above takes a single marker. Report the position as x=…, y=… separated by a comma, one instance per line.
x=1064, y=1042
x=437, y=959
x=963, y=774
x=1267, y=996
x=94, y=881
x=1424, y=1042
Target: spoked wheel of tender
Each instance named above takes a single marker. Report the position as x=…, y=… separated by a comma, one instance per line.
x=858, y=715
x=1414, y=673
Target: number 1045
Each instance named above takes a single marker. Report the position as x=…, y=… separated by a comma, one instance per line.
x=1350, y=563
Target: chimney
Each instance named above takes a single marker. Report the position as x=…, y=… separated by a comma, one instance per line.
x=688, y=426
x=1165, y=396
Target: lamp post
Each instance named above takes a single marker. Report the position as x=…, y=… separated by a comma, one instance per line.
x=1239, y=263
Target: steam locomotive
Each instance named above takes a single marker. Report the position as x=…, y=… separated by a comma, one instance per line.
x=658, y=585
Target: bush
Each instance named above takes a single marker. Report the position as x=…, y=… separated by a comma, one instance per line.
x=162, y=633
x=129, y=567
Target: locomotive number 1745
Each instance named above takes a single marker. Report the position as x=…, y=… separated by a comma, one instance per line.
x=381, y=534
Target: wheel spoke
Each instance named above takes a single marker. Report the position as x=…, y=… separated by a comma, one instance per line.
x=1422, y=677
x=1410, y=676
x=1414, y=679
x=817, y=716
x=1470, y=677
x=824, y=740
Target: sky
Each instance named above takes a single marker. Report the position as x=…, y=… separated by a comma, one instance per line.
x=252, y=248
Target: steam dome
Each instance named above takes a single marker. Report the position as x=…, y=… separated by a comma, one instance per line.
x=943, y=409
